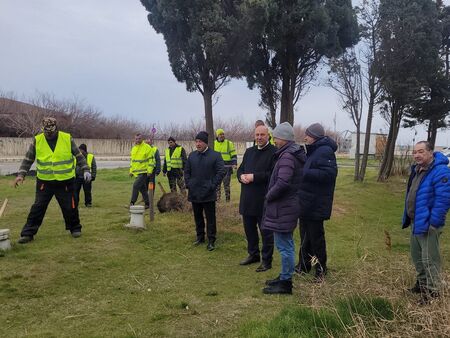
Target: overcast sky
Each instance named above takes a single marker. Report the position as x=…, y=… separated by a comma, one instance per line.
x=106, y=53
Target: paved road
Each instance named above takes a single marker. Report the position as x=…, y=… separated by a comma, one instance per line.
x=12, y=167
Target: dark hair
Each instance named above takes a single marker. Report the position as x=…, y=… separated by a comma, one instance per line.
x=83, y=147
x=138, y=134
x=171, y=139
x=428, y=145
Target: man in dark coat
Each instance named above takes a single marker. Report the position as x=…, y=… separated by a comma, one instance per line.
x=203, y=173
x=316, y=199
x=281, y=209
x=254, y=174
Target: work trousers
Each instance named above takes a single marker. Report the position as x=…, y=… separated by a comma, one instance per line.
x=64, y=193
x=175, y=177
x=202, y=210
x=426, y=258
x=312, y=244
x=251, y=225
x=286, y=247
x=87, y=188
x=140, y=185
x=226, y=185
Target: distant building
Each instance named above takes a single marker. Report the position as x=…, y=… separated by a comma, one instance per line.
x=376, y=145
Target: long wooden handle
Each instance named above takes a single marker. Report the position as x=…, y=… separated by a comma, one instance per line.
x=2, y=210
x=161, y=187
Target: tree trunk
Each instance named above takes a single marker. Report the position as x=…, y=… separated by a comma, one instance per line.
x=365, y=157
x=389, y=151
x=207, y=100
x=271, y=118
x=432, y=132
x=358, y=145
x=288, y=89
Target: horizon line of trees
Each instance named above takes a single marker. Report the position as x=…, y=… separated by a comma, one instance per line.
x=389, y=55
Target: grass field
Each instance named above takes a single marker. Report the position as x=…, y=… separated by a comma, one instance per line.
x=114, y=282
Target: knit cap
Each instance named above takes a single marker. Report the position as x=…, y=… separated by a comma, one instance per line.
x=315, y=130
x=219, y=132
x=202, y=136
x=284, y=131
x=48, y=124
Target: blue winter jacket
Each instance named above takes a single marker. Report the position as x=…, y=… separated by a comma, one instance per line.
x=432, y=197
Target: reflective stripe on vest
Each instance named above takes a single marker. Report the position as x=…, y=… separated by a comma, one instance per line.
x=89, y=159
x=175, y=161
x=140, y=155
x=57, y=165
x=225, y=148
x=152, y=161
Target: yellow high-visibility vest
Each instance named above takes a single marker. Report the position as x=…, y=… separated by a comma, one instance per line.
x=57, y=165
x=175, y=161
x=225, y=148
x=152, y=161
x=89, y=159
x=140, y=156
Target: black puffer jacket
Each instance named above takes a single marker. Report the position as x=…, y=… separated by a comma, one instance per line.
x=202, y=174
x=319, y=180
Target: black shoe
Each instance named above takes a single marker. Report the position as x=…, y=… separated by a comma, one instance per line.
x=417, y=288
x=250, y=260
x=273, y=281
x=88, y=205
x=211, y=246
x=264, y=267
x=427, y=297
x=25, y=239
x=302, y=270
x=319, y=277
x=281, y=287
x=199, y=242
x=76, y=234
x=147, y=206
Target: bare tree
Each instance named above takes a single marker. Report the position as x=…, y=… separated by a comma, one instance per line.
x=346, y=79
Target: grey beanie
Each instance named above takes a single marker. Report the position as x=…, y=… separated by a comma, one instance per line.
x=315, y=130
x=284, y=131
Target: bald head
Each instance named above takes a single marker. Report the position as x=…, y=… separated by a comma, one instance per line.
x=261, y=135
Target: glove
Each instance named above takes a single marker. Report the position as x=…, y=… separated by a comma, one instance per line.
x=87, y=176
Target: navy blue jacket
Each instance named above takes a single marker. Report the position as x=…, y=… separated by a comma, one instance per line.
x=319, y=180
x=202, y=174
x=432, y=197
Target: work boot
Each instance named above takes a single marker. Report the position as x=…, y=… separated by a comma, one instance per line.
x=76, y=234
x=273, y=281
x=25, y=239
x=417, y=288
x=211, y=246
x=264, y=267
x=319, y=277
x=280, y=287
x=250, y=260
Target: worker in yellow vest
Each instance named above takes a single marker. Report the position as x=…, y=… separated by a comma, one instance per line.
x=54, y=152
x=226, y=149
x=79, y=180
x=154, y=165
x=140, y=158
x=174, y=163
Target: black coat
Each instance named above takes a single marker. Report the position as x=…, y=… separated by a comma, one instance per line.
x=202, y=174
x=319, y=180
x=258, y=162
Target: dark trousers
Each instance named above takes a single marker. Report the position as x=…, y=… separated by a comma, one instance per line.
x=312, y=235
x=202, y=210
x=87, y=187
x=64, y=193
x=176, y=178
x=251, y=224
x=140, y=185
x=226, y=184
